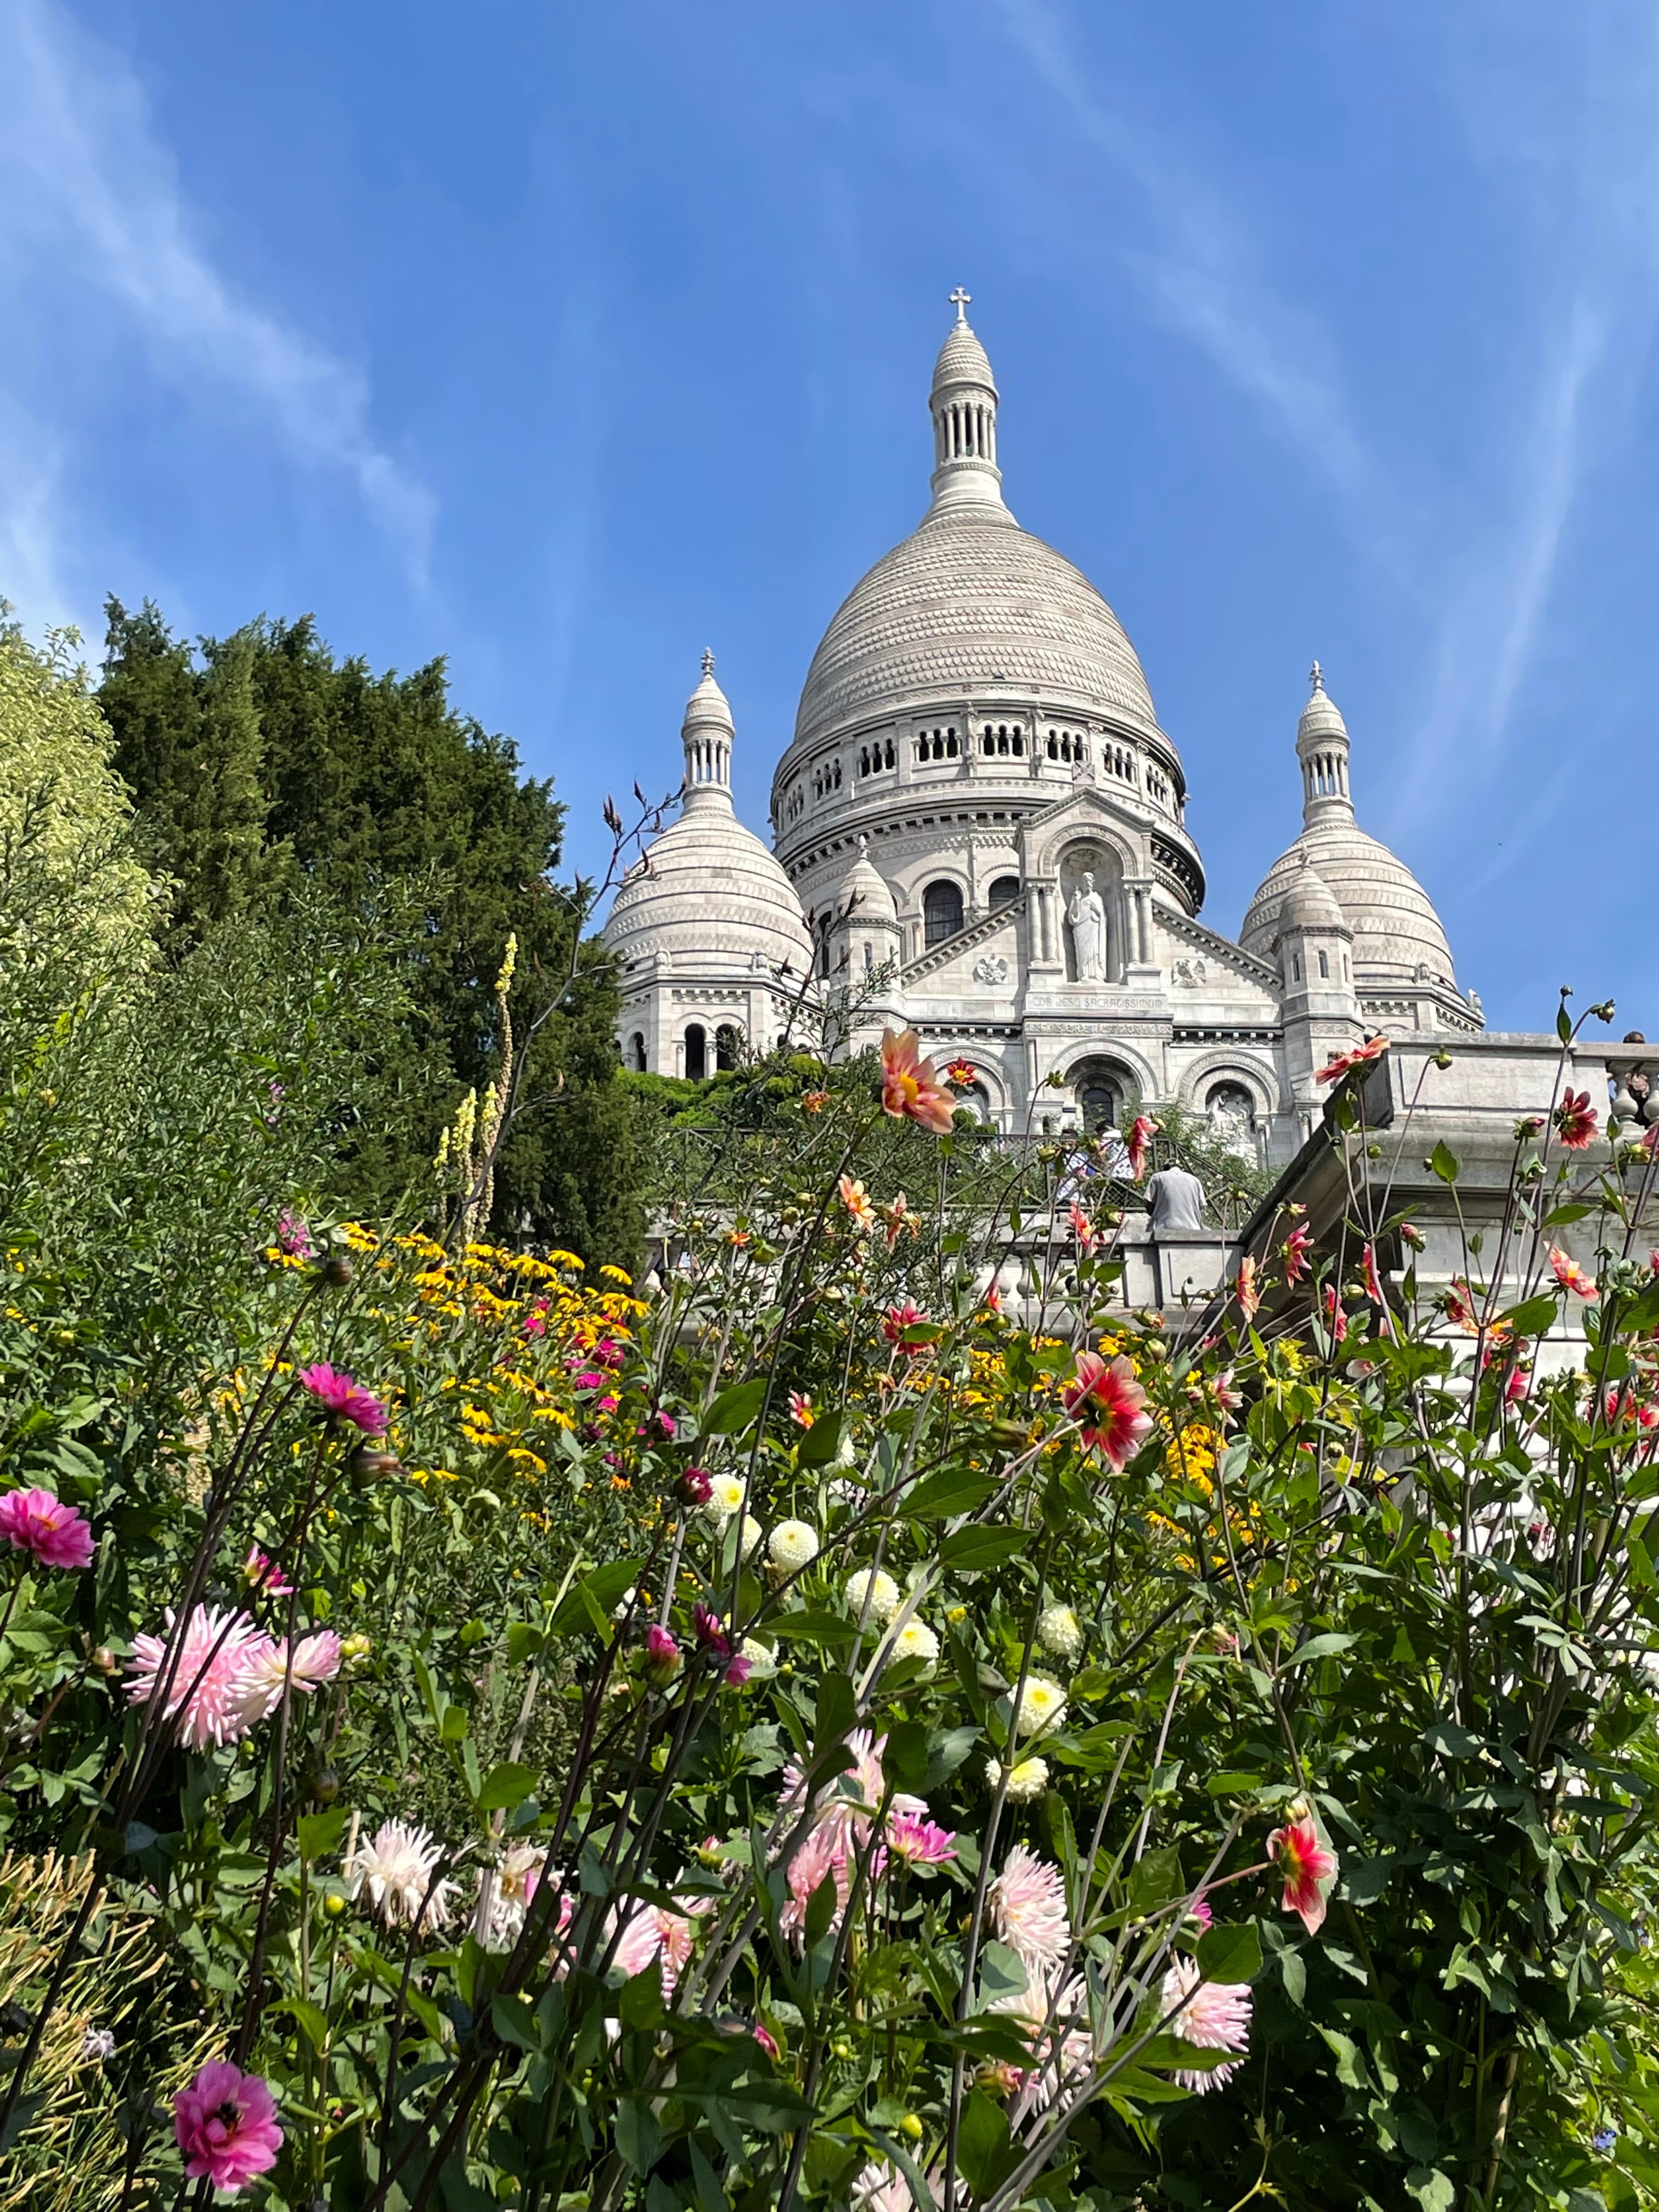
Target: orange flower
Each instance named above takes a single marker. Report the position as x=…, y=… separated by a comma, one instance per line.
x=899, y=1217
x=910, y=1090
x=1083, y=1229
x=1575, y=1121
x=1570, y=1275
x=814, y=1102
x=856, y=1200
x=1459, y=1304
x=1373, y=1049
x=1250, y=1297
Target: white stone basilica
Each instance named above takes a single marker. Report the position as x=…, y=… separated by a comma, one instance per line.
x=979, y=812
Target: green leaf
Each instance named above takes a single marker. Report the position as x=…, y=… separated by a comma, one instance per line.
x=639, y=2139
x=808, y=1626
x=1229, y=1954
x=835, y=1711
x=1001, y=1974
x=310, y=2017
x=319, y=1832
x=507, y=1785
x=1432, y=2189
x=971, y=1550
x=1533, y=1317
x=1320, y=1647
x=1446, y=1737
x=984, y=2149
x=1564, y=1023
x=596, y=1595
x=819, y=1445
x=734, y=1411
x=1444, y=1161
x=1091, y=1685
x=514, y=2022
x=952, y=1491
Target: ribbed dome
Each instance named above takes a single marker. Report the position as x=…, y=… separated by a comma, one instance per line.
x=1393, y=922
x=865, y=895
x=963, y=360
x=970, y=603
x=709, y=895
x=1310, y=904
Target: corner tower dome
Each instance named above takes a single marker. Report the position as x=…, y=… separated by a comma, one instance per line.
x=1396, y=931
x=707, y=897
x=970, y=610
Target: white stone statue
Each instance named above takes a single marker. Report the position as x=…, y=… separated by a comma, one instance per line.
x=1087, y=915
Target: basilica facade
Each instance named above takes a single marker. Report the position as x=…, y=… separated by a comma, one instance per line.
x=979, y=831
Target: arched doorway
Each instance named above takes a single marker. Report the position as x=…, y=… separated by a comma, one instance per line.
x=636, y=1052
x=696, y=1053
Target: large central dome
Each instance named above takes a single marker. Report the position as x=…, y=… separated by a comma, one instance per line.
x=971, y=605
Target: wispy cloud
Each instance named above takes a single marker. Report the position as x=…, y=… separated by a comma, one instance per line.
x=97, y=226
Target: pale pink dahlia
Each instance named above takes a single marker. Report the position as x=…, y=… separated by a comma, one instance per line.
x=1028, y=1908
x=207, y=1691
x=652, y=1932
x=1214, y=2016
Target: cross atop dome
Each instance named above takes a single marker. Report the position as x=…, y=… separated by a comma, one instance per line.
x=708, y=662
x=961, y=301
x=1317, y=678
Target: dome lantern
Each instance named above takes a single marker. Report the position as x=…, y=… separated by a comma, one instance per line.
x=963, y=406
x=707, y=734
x=1321, y=746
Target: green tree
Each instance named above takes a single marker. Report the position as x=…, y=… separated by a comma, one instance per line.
x=365, y=785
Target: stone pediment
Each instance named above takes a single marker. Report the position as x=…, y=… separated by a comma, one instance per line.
x=1087, y=805
x=1210, y=946
x=969, y=940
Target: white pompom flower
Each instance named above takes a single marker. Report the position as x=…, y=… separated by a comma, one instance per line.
x=726, y=1496
x=915, y=1640
x=793, y=1545
x=1027, y=1779
x=762, y=1658
x=1042, y=1705
x=749, y=1535
x=874, y=1594
x=1059, y=1632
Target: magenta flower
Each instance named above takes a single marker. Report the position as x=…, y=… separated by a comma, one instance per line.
x=767, y=2041
x=225, y=2125
x=694, y=1487
x=343, y=1398
x=919, y=1842
x=54, y=1535
x=266, y=1578
x=292, y=1238
x=662, y=1655
x=709, y=1632
x=737, y=1671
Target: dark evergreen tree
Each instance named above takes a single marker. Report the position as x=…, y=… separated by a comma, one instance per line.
x=266, y=764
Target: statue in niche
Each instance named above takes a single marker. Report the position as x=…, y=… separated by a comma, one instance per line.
x=1087, y=914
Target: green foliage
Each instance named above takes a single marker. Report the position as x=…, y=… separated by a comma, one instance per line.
x=266, y=772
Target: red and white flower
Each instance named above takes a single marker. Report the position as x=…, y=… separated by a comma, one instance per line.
x=1570, y=1276
x=1305, y=1864
x=910, y=1090
x=1111, y=1406
x=1336, y=1068
x=1575, y=1121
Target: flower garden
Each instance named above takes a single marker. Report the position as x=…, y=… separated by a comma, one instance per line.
x=792, y=1730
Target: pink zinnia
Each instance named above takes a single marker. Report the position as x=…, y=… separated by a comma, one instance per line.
x=1028, y=1908
x=1111, y=1404
x=207, y=1694
x=1214, y=2016
x=226, y=2126
x=910, y=1090
x=1305, y=1863
x=37, y=1521
x=1142, y=1130
x=343, y=1398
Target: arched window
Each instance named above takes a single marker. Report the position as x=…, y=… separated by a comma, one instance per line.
x=1324, y=966
x=636, y=1052
x=696, y=1053
x=1101, y=1102
x=941, y=910
x=726, y=1042
x=1004, y=891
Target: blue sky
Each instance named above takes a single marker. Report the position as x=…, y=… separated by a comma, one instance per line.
x=564, y=341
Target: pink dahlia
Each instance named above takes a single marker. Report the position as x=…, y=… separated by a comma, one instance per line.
x=226, y=2126
x=1334, y=1069
x=343, y=1398
x=208, y=1690
x=54, y=1535
x=292, y=1238
x=1294, y=1251
x=1373, y=1280
x=1570, y=1276
x=896, y=1320
x=265, y=1665
x=1028, y=1908
x=1111, y=1406
x=264, y=1578
x=662, y=1655
x=653, y=1932
x=910, y=1090
x=1305, y=1863
x=1249, y=1296
x=1214, y=2016
x=850, y=1802
x=919, y=1842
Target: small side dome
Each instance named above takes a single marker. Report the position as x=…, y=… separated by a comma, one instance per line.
x=1310, y=904
x=867, y=895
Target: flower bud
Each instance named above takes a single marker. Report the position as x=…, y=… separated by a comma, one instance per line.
x=105, y=1661
x=662, y=1657
x=372, y=1463
x=910, y=2127
x=1000, y=2080
x=325, y=1786
x=333, y=1904
x=337, y=1270
x=357, y=1646
x=694, y=1487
